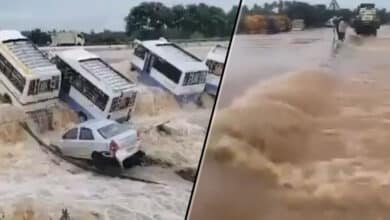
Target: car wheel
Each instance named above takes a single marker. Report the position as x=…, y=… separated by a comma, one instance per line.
x=135, y=160
x=98, y=160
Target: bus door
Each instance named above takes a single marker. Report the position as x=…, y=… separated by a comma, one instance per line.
x=66, y=83
x=148, y=63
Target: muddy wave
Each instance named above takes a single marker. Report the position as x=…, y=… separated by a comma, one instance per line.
x=154, y=101
x=308, y=145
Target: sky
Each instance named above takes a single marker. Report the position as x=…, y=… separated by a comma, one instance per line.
x=81, y=15
x=343, y=3
x=97, y=15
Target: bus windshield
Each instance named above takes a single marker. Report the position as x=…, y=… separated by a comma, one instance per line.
x=37, y=86
x=193, y=78
x=215, y=67
x=120, y=103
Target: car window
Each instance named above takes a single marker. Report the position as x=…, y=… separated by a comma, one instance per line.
x=112, y=130
x=86, y=134
x=71, y=134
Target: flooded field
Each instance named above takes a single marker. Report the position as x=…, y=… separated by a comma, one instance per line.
x=35, y=184
x=309, y=140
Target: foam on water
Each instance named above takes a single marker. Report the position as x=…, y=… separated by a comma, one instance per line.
x=308, y=145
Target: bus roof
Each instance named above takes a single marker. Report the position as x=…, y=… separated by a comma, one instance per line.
x=30, y=58
x=10, y=35
x=97, y=71
x=174, y=55
x=218, y=54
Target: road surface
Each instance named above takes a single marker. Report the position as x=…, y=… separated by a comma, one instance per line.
x=258, y=57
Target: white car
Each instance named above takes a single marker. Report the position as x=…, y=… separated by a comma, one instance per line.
x=102, y=141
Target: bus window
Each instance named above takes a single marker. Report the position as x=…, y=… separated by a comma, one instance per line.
x=140, y=52
x=193, y=78
x=12, y=74
x=167, y=70
x=91, y=92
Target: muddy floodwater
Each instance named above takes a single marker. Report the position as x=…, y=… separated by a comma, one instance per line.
x=37, y=185
x=304, y=134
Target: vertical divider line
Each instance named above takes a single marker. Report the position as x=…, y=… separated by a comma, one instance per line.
x=200, y=164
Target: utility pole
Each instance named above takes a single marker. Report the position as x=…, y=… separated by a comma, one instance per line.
x=281, y=6
x=334, y=5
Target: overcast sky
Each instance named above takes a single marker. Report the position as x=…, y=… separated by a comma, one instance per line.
x=86, y=15
x=83, y=15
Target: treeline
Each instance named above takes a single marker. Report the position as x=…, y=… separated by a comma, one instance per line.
x=314, y=15
x=154, y=19
x=106, y=37
x=39, y=37
x=151, y=20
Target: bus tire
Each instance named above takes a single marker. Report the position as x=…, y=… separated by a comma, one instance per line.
x=7, y=99
x=82, y=116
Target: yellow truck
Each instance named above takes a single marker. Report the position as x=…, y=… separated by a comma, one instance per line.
x=262, y=24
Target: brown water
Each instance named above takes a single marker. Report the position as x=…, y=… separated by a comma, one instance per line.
x=307, y=145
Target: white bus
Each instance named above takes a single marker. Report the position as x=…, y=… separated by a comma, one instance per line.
x=93, y=88
x=27, y=78
x=215, y=60
x=167, y=65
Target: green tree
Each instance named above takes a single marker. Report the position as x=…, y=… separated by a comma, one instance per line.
x=231, y=20
x=38, y=37
x=153, y=20
x=148, y=20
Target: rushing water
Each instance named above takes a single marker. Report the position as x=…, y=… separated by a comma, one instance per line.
x=312, y=144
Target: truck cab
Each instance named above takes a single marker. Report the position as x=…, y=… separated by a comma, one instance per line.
x=366, y=20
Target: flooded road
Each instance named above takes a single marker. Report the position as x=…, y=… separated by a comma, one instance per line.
x=307, y=137
x=257, y=57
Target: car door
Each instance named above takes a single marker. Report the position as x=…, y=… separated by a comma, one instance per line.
x=69, y=142
x=88, y=142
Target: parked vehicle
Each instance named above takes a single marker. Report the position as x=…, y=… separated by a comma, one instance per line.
x=366, y=20
x=270, y=24
x=165, y=64
x=298, y=25
x=102, y=142
x=67, y=38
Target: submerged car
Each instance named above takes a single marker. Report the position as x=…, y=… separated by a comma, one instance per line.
x=103, y=142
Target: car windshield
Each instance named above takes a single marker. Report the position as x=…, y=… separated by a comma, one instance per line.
x=112, y=130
